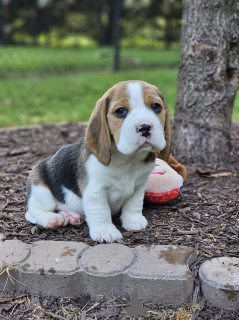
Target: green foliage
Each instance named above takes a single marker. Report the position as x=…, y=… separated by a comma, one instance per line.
x=69, y=41
x=154, y=20
x=140, y=42
x=51, y=22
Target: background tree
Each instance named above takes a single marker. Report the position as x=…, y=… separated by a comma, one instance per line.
x=58, y=18
x=141, y=20
x=208, y=81
x=171, y=11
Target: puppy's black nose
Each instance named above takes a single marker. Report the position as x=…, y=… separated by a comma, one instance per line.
x=145, y=129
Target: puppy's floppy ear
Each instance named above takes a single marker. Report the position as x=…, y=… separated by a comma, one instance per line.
x=164, y=154
x=97, y=135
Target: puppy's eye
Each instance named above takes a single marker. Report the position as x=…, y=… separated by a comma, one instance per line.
x=156, y=107
x=121, y=112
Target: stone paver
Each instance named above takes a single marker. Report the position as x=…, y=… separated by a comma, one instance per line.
x=50, y=257
x=160, y=274
x=105, y=268
x=107, y=259
x=12, y=253
x=52, y=268
x=220, y=282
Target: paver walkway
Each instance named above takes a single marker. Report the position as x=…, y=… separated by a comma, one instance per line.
x=157, y=273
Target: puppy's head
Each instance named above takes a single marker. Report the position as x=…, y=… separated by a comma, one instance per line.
x=134, y=116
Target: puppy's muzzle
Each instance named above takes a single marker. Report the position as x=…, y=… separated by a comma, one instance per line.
x=145, y=129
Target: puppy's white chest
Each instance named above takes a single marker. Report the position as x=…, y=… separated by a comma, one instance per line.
x=119, y=192
x=118, y=182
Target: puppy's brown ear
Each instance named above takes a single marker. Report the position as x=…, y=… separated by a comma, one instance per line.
x=97, y=135
x=164, y=154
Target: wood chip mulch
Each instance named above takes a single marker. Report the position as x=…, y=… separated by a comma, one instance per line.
x=205, y=217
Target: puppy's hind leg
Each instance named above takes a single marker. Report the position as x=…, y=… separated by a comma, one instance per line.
x=40, y=209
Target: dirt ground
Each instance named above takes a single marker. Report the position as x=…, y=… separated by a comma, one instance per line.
x=205, y=217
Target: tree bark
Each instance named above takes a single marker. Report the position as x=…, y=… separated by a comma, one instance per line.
x=207, y=82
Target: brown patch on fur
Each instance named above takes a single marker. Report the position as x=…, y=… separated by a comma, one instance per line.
x=42, y=184
x=97, y=135
x=83, y=156
x=115, y=125
x=151, y=95
x=167, y=132
x=119, y=100
x=35, y=178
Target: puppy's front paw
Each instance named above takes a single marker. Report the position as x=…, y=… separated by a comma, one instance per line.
x=134, y=222
x=108, y=233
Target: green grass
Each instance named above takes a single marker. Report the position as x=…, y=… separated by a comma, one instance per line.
x=69, y=97
x=44, y=85
x=25, y=61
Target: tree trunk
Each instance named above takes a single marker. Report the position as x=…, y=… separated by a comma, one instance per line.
x=208, y=81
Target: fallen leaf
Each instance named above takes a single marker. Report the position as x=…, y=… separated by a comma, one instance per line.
x=16, y=176
x=33, y=229
x=182, y=314
x=212, y=174
x=18, y=151
x=197, y=215
x=220, y=175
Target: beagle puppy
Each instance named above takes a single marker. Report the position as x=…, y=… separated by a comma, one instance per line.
x=105, y=172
